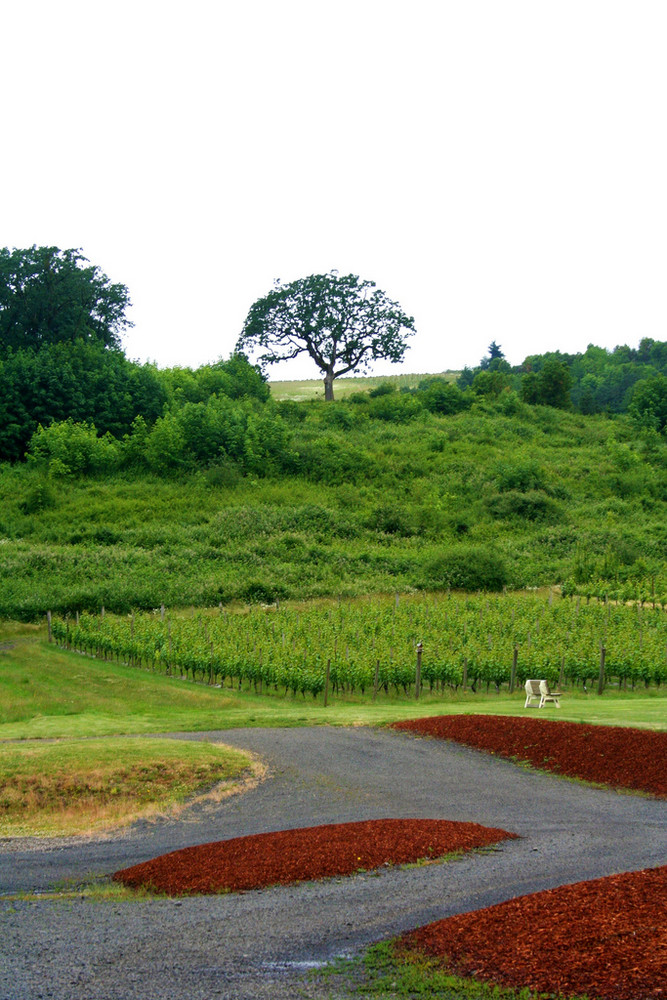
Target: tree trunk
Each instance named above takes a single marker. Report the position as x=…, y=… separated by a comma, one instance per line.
x=328, y=386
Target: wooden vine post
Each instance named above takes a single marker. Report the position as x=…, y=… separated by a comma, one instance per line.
x=48, y=625
x=603, y=654
x=326, y=683
x=418, y=677
x=515, y=657
x=376, y=679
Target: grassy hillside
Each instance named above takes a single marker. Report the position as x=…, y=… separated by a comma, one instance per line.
x=382, y=496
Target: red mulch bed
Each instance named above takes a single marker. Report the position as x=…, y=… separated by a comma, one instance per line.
x=308, y=853
x=611, y=755
x=606, y=938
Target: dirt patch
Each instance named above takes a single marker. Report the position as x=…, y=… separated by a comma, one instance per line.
x=606, y=938
x=308, y=853
x=612, y=755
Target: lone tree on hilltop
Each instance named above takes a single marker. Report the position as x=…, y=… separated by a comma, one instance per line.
x=49, y=295
x=342, y=322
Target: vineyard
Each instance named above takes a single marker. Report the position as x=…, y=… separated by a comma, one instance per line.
x=380, y=645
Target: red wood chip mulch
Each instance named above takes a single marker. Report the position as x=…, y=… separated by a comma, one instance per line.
x=606, y=938
x=308, y=853
x=612, y=755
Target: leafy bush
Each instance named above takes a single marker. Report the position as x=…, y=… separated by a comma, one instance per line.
x=519, y=476
x=40, y=497
x=440, y=396
x=67, y=448
x=532, y=506
x=165, y=446
x=224, y=472
x=648, y=407
x=235, y=378
x=395, y=407
x=258, y=592
x=339, y=416
x=221, y=430
x=383, y=389
x=467, y=568
x=490, y=383
x=390, y=520
x=332, y=459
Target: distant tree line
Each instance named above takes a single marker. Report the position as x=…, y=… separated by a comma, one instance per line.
x=625, y=380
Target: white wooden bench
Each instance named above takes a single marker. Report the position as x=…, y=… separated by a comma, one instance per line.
x=540, y=692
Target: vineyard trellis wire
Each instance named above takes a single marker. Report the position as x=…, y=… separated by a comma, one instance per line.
x=469, y=641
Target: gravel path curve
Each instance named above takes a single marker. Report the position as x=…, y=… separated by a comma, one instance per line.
x=260, y=944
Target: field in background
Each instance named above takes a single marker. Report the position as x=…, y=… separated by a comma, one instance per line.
x=314, y=388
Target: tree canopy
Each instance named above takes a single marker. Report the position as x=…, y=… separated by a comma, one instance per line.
x=84, y=382
x=343, y=322
x=648, y=407
x=49, y=295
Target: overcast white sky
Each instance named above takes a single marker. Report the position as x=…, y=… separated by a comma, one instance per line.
x=499, y=167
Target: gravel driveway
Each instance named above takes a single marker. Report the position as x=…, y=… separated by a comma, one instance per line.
x=261, y=944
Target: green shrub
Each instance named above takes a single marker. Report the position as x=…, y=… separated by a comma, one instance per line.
x=40, y=497
x=440, y=396
x=467, y=568
x=331, y=458
x=339, y=416
x=258, y=592
x=532, y=506
x=66, y=448
x=383, y=389
x=390, y=520
x=518, y=475
x=223, y=472
x=395, y=407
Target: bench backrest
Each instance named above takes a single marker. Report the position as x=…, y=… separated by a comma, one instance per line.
x=533, y=687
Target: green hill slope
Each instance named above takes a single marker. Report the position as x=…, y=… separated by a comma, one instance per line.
x=372, y=494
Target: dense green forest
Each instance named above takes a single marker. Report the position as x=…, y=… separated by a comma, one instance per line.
x=129, y=486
